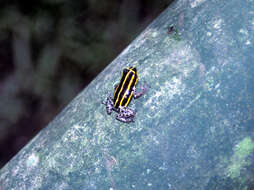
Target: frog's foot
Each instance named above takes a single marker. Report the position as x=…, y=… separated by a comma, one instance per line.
x=109, y=104
x=123, y=119
x=126, y=112
x=138, y=94
x=126, y=115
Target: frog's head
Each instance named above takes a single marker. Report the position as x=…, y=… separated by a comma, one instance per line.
x=133, y=69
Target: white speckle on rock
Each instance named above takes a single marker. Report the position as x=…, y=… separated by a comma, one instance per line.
x=217, y=23
x=32, y=160
x=154, y=34
x=149, y=184
x=77, y=126
x=196, y=3
x=243, y=31
x=97, y=170
x=248, y=42
x=208, y=33
x=163, y=167
x=217, y=86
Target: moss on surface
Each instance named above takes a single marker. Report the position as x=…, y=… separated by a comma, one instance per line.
x=238, y=160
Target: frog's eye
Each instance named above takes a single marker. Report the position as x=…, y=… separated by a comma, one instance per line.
x=125, y=71
x=116, y=85
x=134, y=69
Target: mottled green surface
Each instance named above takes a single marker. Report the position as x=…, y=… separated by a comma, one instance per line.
x=193, y=128
x=238, y=160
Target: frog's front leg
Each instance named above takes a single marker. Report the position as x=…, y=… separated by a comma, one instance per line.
x=126, y=115
x=138, y=94
x=109, y=104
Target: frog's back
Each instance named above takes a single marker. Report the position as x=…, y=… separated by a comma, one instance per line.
x=123, y=92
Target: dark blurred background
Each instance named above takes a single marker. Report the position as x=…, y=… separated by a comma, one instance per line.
x=51, y=49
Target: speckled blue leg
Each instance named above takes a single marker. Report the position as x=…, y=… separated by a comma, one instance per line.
x=138, y=94
x=109, y=104
x=123, y=119
x=126, y=115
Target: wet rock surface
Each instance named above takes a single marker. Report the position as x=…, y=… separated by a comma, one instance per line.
x=193, y=128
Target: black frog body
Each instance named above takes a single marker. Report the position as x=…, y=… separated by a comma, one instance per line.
x=123, y=94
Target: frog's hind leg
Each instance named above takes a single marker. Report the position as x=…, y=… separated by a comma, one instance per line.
x=123, y=119
x=126, y=115
x=127, y=112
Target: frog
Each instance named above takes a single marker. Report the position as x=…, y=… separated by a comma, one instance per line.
x=124, y=91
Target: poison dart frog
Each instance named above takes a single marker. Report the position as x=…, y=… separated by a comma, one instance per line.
x=123, y=93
